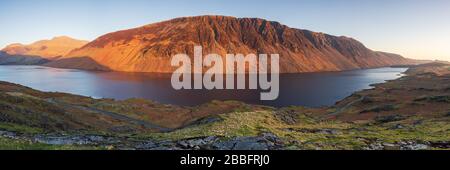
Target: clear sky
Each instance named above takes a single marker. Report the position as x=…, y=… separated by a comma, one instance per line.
x=414, y=28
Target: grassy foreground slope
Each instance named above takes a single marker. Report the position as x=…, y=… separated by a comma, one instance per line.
x=412, y=112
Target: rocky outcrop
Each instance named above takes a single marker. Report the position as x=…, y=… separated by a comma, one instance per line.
x=266, y=141
x=150, y=48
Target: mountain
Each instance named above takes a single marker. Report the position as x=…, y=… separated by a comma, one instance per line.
x=39, y=52
x=150, y=48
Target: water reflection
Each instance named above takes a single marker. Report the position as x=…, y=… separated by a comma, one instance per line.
x=308, y=89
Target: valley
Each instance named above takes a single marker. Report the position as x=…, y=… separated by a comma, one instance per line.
x=409, y=113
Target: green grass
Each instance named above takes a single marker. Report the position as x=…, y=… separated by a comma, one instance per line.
x=248, y=124
x=306, y=133
x=11, y=127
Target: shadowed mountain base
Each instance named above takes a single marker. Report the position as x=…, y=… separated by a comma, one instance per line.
x=6, y=59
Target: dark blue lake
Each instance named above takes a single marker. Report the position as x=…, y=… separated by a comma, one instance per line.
x=306, y=89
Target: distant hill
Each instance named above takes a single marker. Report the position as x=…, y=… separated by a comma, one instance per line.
x=150, y=48
x=40, y=51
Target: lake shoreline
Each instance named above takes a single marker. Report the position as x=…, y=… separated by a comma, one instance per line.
x=373, y=119
x=307, y=89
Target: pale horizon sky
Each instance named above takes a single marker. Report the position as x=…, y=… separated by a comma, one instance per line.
x=413, y=28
